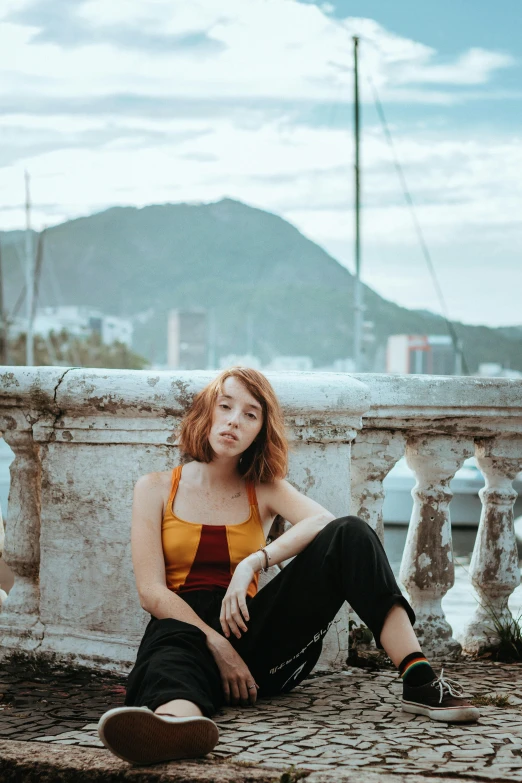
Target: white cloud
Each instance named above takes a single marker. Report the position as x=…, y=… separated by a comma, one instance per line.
x=8, y=6
x=302, y=172
x=473, y=67
x=159, y=16
x=279, y=51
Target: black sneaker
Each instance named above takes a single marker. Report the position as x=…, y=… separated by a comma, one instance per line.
x=441, y=699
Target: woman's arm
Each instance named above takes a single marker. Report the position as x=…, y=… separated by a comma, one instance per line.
x=307, y=518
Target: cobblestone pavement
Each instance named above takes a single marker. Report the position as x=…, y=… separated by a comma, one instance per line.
x=350, y=719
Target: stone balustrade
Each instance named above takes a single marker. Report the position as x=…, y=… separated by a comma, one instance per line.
x=82, y=437
x=437, y=422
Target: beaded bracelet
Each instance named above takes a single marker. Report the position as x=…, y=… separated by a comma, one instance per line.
x=267, y=559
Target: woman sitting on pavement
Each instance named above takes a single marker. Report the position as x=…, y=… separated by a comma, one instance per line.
x=212, y=637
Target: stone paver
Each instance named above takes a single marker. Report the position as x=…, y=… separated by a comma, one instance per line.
x=350, y=721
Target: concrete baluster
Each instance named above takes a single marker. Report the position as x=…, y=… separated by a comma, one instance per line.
x=22, y=543
x=427, y=569
x=374, y=453
x=494, y=565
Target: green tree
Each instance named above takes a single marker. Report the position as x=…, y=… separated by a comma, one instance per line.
x=67, y=350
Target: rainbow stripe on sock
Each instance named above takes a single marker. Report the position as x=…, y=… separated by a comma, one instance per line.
x=417, y=661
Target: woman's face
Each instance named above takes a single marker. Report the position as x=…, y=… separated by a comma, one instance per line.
x=237, y=419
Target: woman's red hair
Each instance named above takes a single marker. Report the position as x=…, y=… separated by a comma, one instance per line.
x=266, y=459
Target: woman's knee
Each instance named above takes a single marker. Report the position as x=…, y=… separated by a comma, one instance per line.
x=350, y=525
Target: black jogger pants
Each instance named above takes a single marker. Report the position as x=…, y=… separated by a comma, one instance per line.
x=289, y=618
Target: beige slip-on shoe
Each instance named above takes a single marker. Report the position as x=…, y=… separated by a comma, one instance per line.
x=138, y=735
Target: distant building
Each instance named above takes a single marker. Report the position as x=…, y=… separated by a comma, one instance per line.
x=187, y=339
x=246, y=360
x=338, y=365
x=494, y=370
x=81, y=322
x=286, y=363
x=421, y=355
x=490, y=369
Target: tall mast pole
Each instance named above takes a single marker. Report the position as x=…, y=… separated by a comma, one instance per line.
x=358, y=303
x=3, y=318
x=211, y=334
x=29, y=276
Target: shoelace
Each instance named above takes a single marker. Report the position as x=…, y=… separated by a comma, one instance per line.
x=447, y=685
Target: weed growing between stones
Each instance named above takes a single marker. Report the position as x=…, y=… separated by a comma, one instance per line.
x=507, y=647
x=508, y=632
x=491, y=700
x=292, y=775
x=363, y=653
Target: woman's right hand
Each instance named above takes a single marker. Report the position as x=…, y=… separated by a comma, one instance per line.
x=235, y=674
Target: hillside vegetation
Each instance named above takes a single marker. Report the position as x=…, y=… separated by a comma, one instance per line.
x=243, y=262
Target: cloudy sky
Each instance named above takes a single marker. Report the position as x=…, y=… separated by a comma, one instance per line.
x=146, y=101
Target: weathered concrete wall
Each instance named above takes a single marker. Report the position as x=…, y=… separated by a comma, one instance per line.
x=81, y=439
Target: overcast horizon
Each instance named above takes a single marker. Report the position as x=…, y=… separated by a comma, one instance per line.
x=135, y=103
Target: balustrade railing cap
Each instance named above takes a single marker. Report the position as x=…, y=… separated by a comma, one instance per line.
x=28, y=394
x=29, y=386
x=81, y=391
x=406, y=401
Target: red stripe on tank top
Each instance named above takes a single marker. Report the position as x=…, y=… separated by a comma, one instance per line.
x=211, y=566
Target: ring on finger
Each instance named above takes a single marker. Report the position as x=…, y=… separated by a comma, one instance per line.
x=251, y=687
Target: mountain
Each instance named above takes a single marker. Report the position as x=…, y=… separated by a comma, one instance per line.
x=258, y=272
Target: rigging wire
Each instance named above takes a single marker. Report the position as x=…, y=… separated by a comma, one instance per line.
x=425, y=251
x=21, y=297
x=37, y=270
x=37, y=278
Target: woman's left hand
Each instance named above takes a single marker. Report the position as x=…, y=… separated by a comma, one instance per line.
x=234, y=611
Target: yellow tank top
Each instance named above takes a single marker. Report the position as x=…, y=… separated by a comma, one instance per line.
x=203, y=557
